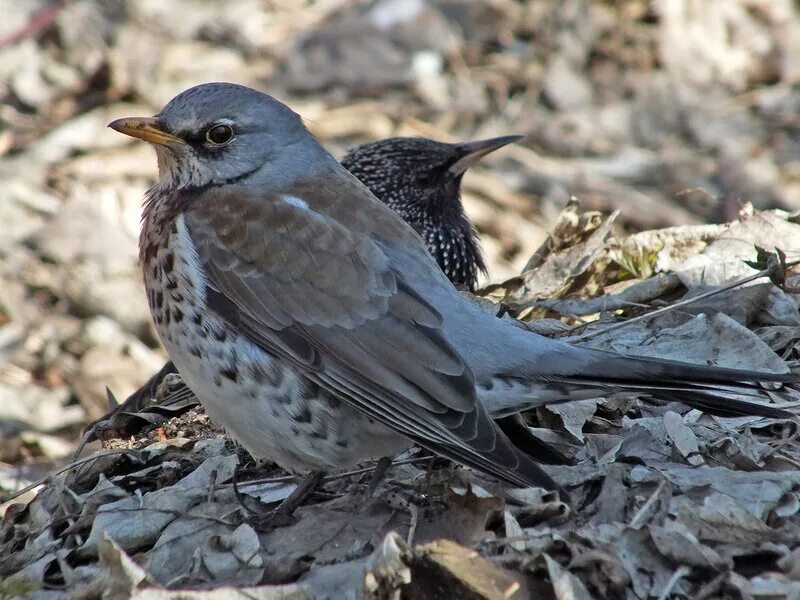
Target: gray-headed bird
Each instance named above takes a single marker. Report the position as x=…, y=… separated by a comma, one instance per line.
x=312, y=323
x=420, y=179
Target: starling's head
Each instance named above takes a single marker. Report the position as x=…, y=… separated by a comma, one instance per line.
x=420, y=179
x=217, y=133
x=406, y=171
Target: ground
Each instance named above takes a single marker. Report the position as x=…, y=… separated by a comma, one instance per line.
x=675, y=114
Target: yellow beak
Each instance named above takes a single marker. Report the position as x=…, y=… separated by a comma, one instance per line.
x=148, y=129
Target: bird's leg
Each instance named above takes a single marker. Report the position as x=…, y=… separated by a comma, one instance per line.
x=379, y=473
x=238, y=494
x=281, y=515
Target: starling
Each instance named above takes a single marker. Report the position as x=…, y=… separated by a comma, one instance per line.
x=420, y=179
x=311, y=322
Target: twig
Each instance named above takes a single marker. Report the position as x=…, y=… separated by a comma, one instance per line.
x=710, y=589
x=635, y=295
x=502, y=541
x=67, y=467
x=284, y=479
x=681, y=304
x=292, y=478
x=638, y=518
x=787, y=459
x=673, y=581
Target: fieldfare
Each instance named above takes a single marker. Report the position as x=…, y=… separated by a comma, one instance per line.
x=420, y=179
x=312, y=323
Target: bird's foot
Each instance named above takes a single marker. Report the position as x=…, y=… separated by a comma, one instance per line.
x=307, y=486
x=504, y=310
x=283, y=514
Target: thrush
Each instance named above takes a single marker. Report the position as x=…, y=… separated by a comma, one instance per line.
x=312, y=323
x=420, y=179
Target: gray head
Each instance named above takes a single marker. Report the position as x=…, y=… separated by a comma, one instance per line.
x=217, y=133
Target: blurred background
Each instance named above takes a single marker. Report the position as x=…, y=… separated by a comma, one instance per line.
x=672, y=111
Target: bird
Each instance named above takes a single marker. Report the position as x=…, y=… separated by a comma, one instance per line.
x=313, y=324
x=420, y=179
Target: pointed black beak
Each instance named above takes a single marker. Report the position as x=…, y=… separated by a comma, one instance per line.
x=472, y=152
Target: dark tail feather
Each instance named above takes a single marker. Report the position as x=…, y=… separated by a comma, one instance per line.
x=138, y=399
x=519, y=434
x=698, y=386
x=526, y=473
x=645, y=367
x=141, y=397
x=727, y=407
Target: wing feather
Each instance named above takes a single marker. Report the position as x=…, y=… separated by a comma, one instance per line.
x=306, y=288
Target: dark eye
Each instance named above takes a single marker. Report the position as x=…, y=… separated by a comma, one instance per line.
x=220, y=134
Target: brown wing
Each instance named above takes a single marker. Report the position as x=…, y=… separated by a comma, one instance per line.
x=304, y=286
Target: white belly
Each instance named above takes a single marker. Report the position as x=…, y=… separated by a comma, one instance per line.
x=269, y=407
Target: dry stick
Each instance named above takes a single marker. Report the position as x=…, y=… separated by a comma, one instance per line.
x=712, y=587
x=67, y=467
x=673, y=581
x=681, y=304
x=284, y=479
x=787, y=459
x=638, y=519
x=292, y=478
x=637, y=294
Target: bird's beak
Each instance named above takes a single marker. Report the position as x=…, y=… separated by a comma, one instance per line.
x=148, y=129
x=474, y=151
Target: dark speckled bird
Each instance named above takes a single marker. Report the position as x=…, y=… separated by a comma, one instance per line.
x=420, y=179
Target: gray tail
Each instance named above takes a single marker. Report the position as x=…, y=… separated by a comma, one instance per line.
x=706, y=388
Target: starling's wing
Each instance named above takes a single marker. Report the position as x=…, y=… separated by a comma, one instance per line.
x=304, y=286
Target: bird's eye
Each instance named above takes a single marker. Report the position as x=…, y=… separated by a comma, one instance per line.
x=219, y=134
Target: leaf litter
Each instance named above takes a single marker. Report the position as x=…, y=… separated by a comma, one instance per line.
x=624, y=105
x=665, y=501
